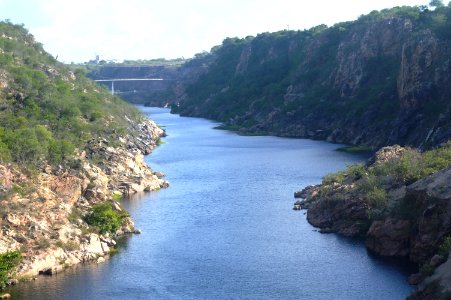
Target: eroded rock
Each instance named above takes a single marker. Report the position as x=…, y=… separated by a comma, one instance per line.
x=389, y=237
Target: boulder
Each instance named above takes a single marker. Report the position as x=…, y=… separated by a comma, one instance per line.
x=389, y=237
x=92, y=245
x=385, y=154
x=441, y=276
x=51, y=271
x=342, y=216
x=437, y=260
x=159, y=174
x=432, y=194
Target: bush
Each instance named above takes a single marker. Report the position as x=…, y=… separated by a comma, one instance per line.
x=337, y=177
x=354, y=172
x=377, y=197
x=8, y=261
x=371, y=187
x=413, y=165
x=5, y=154
x=105, y=218
x=445, y=247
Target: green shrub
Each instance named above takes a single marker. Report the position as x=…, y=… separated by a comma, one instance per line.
x=445, y=247
x=337, y=177
x=105, y=218
x=377, y=197
x=117, y=196
x=353, y=172
x=18, y=189
x=8, y=261
x=354, y=149
x=371, y=187
x=5, y=154
x=413, y=165
x=357, y=171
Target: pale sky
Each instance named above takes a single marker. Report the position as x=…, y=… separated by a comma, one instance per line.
x=76, y=31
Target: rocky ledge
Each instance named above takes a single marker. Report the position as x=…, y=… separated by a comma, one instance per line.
x=398, y=215
x=45, y=215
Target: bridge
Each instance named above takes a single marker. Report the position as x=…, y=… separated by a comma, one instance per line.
x=126, y=79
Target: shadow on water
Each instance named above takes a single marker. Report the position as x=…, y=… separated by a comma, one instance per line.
x=401, y=264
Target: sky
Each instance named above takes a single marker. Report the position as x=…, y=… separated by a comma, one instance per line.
x=76, y=31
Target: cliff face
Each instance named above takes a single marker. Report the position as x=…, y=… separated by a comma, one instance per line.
x=380, y=80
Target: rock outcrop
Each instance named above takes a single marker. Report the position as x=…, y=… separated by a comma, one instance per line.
x=43, y=217
x=341, y=216
x=396, y=217
x=389, y=237
x=433, y=196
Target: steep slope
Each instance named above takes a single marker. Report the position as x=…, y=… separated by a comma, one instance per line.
x=380, y=80
x=67, y=147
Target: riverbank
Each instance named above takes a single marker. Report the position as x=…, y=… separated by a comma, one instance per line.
x=399, y=203
x=45, y=217
x=219, y=233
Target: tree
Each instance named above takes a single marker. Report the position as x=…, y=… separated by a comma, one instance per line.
x=436, y=3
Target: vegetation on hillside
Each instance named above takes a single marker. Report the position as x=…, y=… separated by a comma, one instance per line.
x=46, y=110
x=370, y=182
x=105, y=218
x=8, y=262
x=331, y=81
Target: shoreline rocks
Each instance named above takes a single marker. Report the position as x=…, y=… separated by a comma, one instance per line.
x=413, y=223
x=44, y=215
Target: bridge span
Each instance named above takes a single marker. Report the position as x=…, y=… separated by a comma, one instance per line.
x=127, y=79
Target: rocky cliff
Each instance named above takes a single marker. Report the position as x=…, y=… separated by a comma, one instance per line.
x=380, y=80
x=44, y=214
x=399, y=203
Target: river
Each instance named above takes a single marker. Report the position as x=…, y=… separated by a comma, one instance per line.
x=225, y=228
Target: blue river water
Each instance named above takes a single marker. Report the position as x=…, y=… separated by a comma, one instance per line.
x=225, y=228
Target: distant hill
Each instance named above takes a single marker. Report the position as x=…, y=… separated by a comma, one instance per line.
x=175, y=74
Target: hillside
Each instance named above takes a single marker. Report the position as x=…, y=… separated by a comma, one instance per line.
x=380, y=80
x=67, y=150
